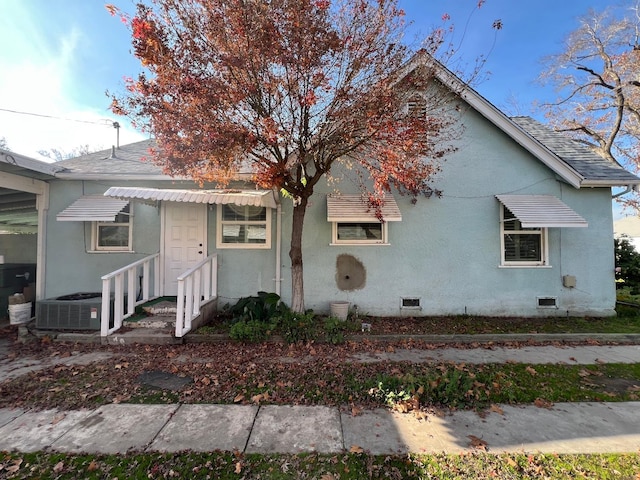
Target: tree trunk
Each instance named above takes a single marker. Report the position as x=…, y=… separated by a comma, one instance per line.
x=295, y=253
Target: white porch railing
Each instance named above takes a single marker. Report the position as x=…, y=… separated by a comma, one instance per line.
x=124, y=286
x=197, y=286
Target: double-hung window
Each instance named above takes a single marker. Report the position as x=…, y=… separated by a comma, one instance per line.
x=116, y=235
x=243, y=226
x=522, y=246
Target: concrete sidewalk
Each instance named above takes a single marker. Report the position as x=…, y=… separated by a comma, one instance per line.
x=564, y=428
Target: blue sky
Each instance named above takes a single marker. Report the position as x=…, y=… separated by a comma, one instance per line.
x=60, y=56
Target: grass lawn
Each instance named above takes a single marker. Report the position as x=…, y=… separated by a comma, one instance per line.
x=311, y=374
x=322, y=373
x=346, y=466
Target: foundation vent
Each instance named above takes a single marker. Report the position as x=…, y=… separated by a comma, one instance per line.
x=547, y=302
x=410, y=303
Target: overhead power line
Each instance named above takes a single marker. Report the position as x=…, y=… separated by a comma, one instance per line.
x=104, y=122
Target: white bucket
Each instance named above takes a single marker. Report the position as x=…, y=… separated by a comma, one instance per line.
x=340, y=310
x=19, y=313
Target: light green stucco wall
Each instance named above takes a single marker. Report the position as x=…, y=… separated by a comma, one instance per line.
x=445, y=251
x=72, y=267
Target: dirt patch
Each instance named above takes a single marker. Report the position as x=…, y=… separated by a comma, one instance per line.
x=617, y=386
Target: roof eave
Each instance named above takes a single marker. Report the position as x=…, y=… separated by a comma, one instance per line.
x=610, y=183
x=115, y=177
x=28, y=163
x=134, y=177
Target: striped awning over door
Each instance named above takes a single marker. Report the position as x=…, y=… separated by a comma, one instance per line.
x=254, y=198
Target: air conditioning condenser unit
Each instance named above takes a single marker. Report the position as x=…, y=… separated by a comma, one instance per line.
x=78, y=311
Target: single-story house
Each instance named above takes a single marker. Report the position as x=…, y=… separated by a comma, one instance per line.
x=523, y=228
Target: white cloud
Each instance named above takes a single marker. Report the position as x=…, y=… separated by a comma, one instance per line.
x=38, y=77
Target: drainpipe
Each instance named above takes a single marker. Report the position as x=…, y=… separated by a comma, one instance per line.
x=627, y=190
x=278, y=247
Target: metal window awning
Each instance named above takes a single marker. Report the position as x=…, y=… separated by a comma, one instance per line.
x=541, y=211
x=255, y=198
x=92, y=208
x=353, y=208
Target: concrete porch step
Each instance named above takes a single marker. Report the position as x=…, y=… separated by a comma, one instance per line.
x=155, y=321
x=159, y=315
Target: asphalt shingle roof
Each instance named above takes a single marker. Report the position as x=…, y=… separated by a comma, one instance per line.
x=587, y=163
x=131, y=159
x=135, y=159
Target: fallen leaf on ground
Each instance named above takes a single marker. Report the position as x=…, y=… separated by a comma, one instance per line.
x=58, y=467
x=260, y=397
x=531, y=370
x=496, y=409
x=15, y=467
x=420, y=414
x=239, y=398
x=477, y=442
x=356, y=449
x=542, y=403
x=58, y=418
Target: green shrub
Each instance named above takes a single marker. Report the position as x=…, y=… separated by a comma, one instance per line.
x=297, y=327
x=334, y=329
x=252, y=331
x=262, y=307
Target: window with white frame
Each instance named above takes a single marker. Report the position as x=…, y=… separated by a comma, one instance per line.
x=521, y=246
x=114, y=236
x=243, y=226
x=353, y=221
x=358, y=233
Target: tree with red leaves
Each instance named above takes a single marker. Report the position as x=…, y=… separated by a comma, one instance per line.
x=291, y=87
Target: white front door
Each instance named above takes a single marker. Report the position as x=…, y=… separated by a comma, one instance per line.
x=185, y=242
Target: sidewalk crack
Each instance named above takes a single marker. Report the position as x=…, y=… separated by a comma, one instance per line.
x=255, y=417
